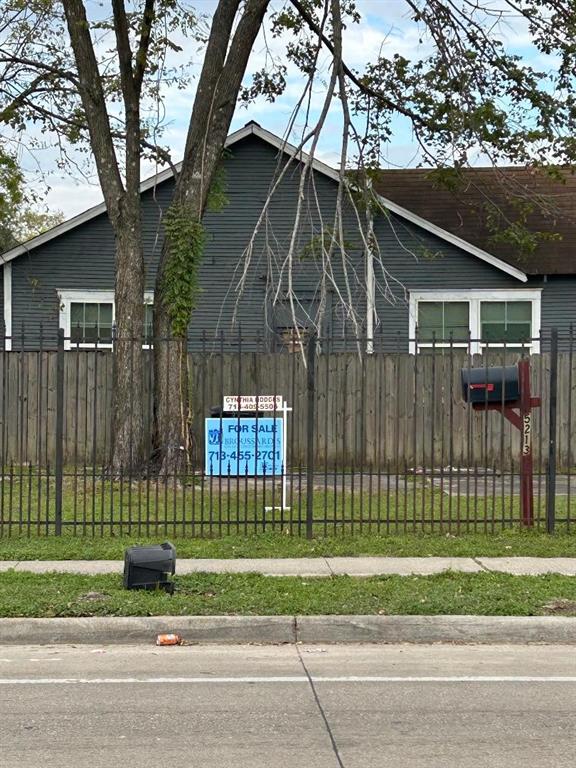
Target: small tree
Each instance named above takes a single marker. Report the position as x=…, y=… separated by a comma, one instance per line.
x=11, y=197
x=20, y=218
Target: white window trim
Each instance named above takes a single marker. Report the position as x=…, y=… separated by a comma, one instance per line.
x=474, y=298
x=7, y=282
x=68, y=297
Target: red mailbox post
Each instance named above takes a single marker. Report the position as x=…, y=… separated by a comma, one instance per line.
x=519, y=414
x=527, y=402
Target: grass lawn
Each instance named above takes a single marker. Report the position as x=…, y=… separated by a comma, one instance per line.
x=511, y=542
x=206, y=518
x=209, y=507
x=33, y=595
x=101, y=517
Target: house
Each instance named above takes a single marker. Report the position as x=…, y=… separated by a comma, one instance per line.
x=440, y=275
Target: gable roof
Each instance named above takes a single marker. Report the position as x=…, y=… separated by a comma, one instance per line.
x=499, y=194
x=254, y=129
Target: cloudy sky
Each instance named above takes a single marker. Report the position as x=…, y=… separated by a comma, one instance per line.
x=385, y=27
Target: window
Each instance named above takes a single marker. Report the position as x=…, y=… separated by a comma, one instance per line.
x=91, y=323
x=476, y=320
x=505, y=321
x=87, y=318
x=443, y=320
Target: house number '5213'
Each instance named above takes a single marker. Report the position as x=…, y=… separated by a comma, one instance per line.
x=526, y=434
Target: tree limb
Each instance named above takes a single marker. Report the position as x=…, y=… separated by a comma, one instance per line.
x=94, y=103
x=148, y=16
x=21, y=98
x=124, y=52
x=362, y=86
x=50, y=69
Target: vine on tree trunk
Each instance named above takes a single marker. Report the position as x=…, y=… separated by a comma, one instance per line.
x=186, y=236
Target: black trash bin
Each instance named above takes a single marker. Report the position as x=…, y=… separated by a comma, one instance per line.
x=149, y=567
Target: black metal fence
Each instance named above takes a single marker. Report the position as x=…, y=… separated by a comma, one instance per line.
x=373, y=441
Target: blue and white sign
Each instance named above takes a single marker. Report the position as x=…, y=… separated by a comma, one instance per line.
x=244, y=446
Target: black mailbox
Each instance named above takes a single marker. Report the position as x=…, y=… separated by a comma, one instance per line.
x=149, y=567
x=491, y=385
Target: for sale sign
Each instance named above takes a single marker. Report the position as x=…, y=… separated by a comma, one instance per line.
x=244, y=446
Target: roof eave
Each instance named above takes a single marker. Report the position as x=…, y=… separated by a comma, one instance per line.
x=453, y=239
x=295, y=154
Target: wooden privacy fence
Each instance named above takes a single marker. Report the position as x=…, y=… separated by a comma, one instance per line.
x=395, y=411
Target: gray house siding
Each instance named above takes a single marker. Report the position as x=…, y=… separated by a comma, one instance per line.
x=559, y=302
x=83, y=258
x=417, y=260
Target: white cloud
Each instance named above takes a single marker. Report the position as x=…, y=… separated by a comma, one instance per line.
x=72, y=197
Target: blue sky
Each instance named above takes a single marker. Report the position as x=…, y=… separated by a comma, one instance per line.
x=385, y=26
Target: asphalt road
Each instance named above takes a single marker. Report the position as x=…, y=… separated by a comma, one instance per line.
x=288, y=706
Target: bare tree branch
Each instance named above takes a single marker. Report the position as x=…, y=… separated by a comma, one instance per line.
x=141, y=58
x=94, y=103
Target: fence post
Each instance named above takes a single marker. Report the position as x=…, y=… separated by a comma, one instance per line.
x=310, y=427
x=551, y=476
x=59, y=463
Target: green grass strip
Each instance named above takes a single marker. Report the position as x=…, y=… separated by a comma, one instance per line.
x=46, y=595
x=503, y=544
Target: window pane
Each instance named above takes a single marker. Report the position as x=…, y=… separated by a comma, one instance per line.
x=105, y=314
x=91, y=315
x=148, y=318
x=518, y=332
x=493, y=310
x=105, y=334
x=493, y=331
x=456, y=314
x=90, y=335
x=430, y=314
x=519, y=310
x=76, y=315
x=430, y=322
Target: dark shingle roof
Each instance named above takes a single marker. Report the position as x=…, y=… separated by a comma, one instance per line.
x=489, y=198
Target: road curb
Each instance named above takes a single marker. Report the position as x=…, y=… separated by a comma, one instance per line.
x=437, y=629
x=273, y=630
x=125, y=630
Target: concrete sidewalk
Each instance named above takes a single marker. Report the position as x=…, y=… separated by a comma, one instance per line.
x=321, y=566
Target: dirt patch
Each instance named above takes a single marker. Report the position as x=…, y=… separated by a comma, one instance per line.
x=561, y=607
x=92, y=597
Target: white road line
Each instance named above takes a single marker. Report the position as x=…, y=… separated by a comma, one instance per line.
x=42, y=661
x=283, y=679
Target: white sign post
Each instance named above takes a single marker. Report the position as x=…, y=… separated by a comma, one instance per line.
x=268, y=403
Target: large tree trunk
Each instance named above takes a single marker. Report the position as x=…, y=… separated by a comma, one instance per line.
x=224, y=67
x=171, y=399
x=123, y=206
x=128, y=393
